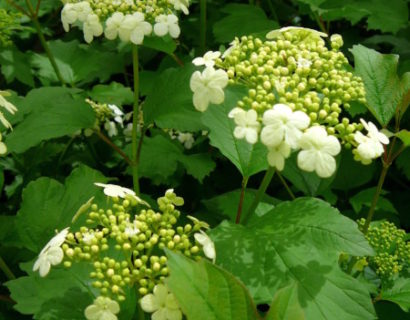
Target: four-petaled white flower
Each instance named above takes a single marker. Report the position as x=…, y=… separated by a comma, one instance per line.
x=207, y=244
x=162, y=304
x=370, y=146
x=247, y=124
x=318, y=151
x=208, y=60
x=92, y=28
x=103, y=308
x=278, y=155
x=282, y=124
x=208, y=87
x=52, y=254
x=167, y=24
x=112, y=190
x=73, y=12
x=304, y=63
x=187, y=139
x=181, y=5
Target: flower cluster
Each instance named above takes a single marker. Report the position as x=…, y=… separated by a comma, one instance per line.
x=128, y=225
x=297, y=91
x=9, y=22
x=9, y=108
x=110, y=116
x=185, y=138
x=392, y=249
x=129, y=20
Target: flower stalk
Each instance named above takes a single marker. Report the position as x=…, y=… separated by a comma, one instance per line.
x=5, y=268
x=135, y=119
x=241, y=198
x=203, y=26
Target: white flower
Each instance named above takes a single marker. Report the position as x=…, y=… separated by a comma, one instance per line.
x=73, y=12
x=187, y=139
x=318, y=152
x=208, y=60
x=51, y=255
x=304, y=63
x=208, y=87
x=162, y=303
x=131, y=229
x=167, y=24
x=207, y=245
x=3, y=147
x=247, y=125
x=278, y=155
x=5, y=104
x=113, y=25
x=118, y=114
x=129, y=27
x=111, y=128
x=88, y=237
x=371, y=146
x=308, y=33
x=92, y=28
x=103, y=308
x=227, y=52
x=4, y=121
x=181, y=5
x=281, y=124
x=112, y=190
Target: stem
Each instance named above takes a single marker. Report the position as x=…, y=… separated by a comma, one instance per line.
x=4, y=267
x=320, y=23
x=261, y=191
x=18, y=8
x=113, y=146
x=203, y=26
x=241, y=198
x=285, y=184
x=135, y=119
x=376, y=197
x=33, y=17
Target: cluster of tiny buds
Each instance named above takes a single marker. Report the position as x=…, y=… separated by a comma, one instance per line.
x=391, y=247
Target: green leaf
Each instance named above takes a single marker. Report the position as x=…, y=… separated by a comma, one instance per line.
x=164, y=44
x=404, y=136
x=16, y=65
x=242, y=19
x=285, y=305
x=52, y=113
x=205, y=291
x=399, y=293
x=170, y=104
x=48, y=205
x=365, y=198
x=307, y=182
x=79, y=63
x=114, y=93
x=198, y=165
x=403, y=163
x=226, y=204
x=249, y=159
x=300, y=242
x=379, y=73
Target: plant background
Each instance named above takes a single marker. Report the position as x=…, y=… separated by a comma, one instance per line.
x=49, y=170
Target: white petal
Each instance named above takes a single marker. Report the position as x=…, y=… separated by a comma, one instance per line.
x=160, y=29
x=149, y=303
x=307, y=160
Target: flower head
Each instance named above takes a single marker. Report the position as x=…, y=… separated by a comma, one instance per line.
x=208, y=60
x=207, y=244
x=103, y=308
x=208, y=87
x=162, y=304
x=73, y=12
x=318, y=151
x=167, y=24
x=247, y=124
x=282, y=124
x=371, y=146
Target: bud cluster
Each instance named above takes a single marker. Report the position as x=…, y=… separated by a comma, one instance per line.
x=10, y=108
x=9, y=22
x=392, y=249
x=131, y=20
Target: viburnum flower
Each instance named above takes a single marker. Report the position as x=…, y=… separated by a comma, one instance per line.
x=181, y=5
x=208, y=87
x=103, y=308
x=167, y=24
x=118, y=113
x=247, y=124
x=4, y=121
x=278, y=155
x=131, y=229
x=113, y=25
x=208, y=60
x=88, y=237
x=112, y=190
x=51, y=255
x=207, y=245
x=309, y=33
x=73, y=12
x=111, y=128
x=304, y=63
x=318, y=151
x=187, y=139
x=162, y=304
x=5, y=104
x=92, y=28
x=232, y=46
x=282, y=124
x=3, y=147
x=173, y=198
x=370, y=146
